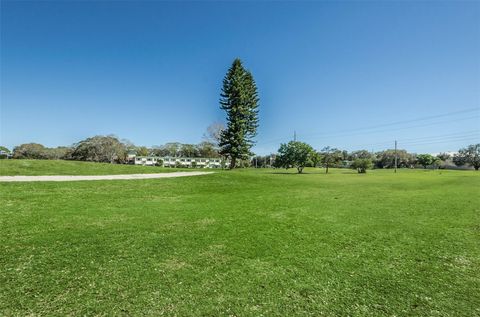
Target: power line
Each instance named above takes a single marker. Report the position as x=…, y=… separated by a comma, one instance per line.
x=412, y=120
x=434, y=137
x=410, y=145
x=396, y=129
x=464, y=133
x=403, y=128
x=443, y=141
x=344, y=134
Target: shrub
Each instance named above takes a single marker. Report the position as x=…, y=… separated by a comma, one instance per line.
x=294, y=154
x=469, y=155
x=362, y=164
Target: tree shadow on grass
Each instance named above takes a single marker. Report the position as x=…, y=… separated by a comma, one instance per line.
x=295, y=173
x=350, y=172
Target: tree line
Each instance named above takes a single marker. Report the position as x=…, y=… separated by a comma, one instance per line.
x=299, y=155
x=110, y=149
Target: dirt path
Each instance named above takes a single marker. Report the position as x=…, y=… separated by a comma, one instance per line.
x=68, y=178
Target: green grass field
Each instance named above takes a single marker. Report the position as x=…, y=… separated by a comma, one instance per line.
x=39, y=167
x=240, y=243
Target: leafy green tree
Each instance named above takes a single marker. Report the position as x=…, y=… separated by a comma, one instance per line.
x=362, y=164
x=386, y=159
x=30, y=151
x=130, y=147
x=142, y=151
x=239, y=99
x=188, y=150
x=444, y=157
x=469, y=155
x=58, y=153
x=39, y=152
x=330, y=157
x=294, y=154
x=425, y=160
x=207, y=149
x=175, y=149
x=315, y=158
x=160, y=151
x=4, y=152
x=171, y=149
x=100, y=149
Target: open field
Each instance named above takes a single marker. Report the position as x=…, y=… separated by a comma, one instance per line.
x=60, y=167
x=240, y=243
x=71, y=178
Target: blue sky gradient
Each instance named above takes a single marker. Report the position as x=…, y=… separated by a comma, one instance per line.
x=338, y=73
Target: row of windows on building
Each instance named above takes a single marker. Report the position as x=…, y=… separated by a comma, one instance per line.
x=174, y=161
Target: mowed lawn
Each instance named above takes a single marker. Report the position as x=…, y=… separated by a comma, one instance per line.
x=45, y=167
x=243, y=243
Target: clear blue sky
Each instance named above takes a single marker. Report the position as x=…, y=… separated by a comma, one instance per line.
x=151, y=72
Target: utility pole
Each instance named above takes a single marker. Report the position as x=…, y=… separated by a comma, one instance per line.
x=294, y=135
x=395, y=156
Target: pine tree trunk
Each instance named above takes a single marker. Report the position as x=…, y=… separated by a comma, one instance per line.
x=233, y=162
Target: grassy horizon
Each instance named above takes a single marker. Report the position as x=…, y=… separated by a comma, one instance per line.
x=65, y=167
x=244, y=243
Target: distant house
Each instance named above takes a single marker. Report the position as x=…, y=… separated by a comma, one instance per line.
x=5, y=154
x=198, y=162
x=145, y=160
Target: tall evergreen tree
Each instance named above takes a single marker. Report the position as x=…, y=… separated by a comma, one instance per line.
x=239, y=99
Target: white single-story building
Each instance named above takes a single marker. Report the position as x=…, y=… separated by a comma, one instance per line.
x=5, y=154
x=199, y=162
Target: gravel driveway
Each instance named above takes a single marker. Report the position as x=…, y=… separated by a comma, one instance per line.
x=68, y=178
